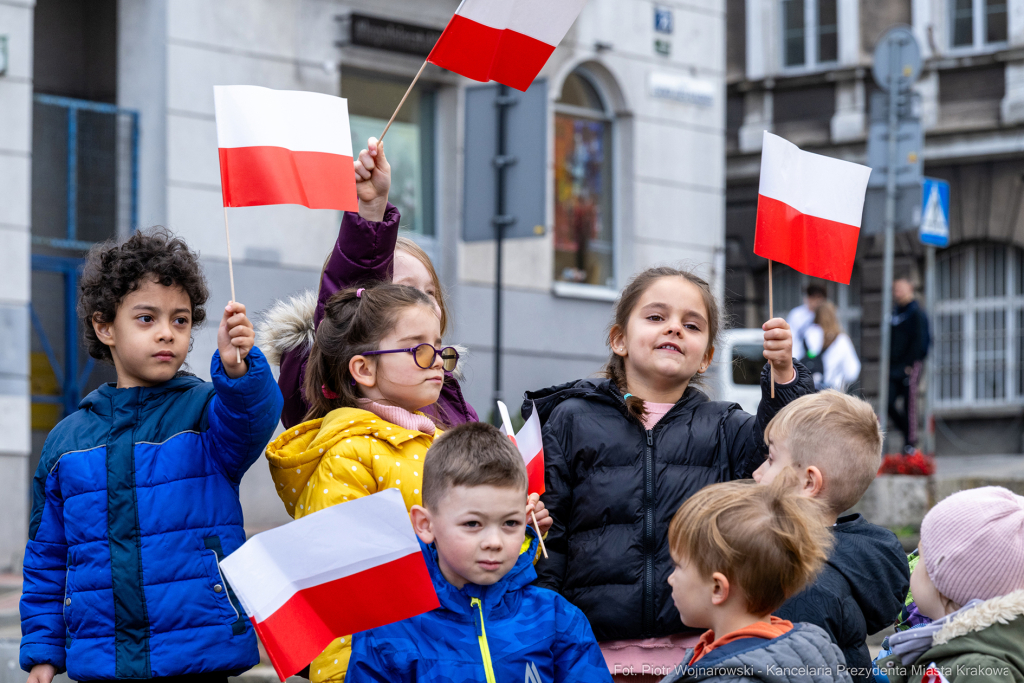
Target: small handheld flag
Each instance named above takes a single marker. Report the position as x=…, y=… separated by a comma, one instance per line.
x=284, y=147
x=301, y=592
x=508, y=41
x=531, y=446
x=809, y=210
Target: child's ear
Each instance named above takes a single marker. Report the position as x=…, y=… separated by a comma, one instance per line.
x=709, y=357
x=719, y=588
x=617, y=340
x=363, y=371
x=421, y=523
x=104, y=330
x=813, y=482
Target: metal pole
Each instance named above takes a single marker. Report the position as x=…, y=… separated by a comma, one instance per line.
x=929, y=302
x=890, y=238
x=501, y=162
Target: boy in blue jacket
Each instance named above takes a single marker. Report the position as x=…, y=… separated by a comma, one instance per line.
x=492, y=625
x=135, y=500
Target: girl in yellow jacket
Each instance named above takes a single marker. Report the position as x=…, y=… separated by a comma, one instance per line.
x=375, y=363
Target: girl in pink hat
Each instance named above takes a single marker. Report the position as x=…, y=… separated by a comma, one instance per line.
x=970, y=583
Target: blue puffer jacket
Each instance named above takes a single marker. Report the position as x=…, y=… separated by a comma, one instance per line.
x=134, y=502
x=509, y=631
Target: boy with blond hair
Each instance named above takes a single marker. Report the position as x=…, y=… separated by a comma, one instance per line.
x=492, y=625
x=832, y=443
x=741, y=550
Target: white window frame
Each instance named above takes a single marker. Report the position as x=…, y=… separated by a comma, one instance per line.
x=978, y=27
x=811, y=39
x=967, y=308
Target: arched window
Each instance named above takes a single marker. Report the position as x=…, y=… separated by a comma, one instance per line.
x=584, y=233
x=978, y=324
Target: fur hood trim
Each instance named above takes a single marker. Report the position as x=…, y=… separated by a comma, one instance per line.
x=1001, y=610
x=287, y=326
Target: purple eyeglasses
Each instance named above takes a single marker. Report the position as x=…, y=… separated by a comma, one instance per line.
x=424, y=355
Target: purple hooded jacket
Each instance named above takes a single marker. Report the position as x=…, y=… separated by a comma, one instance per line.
x=364, y=253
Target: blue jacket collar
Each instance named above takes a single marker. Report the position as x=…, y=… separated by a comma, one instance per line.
x=100, y=400
x=452, y=599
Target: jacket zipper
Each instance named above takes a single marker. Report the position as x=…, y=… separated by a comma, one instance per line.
x=481, y=636
x=648, y=594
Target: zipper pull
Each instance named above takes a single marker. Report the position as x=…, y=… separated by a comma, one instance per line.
x=650, y=437
x=478, y=616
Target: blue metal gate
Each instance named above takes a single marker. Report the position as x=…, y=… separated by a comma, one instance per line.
x=89, y=157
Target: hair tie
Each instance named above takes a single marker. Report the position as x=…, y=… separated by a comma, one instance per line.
x=359, y=292
x=328, y=394
x=627, y=396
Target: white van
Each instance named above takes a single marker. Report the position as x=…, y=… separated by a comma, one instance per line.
x=736, y=370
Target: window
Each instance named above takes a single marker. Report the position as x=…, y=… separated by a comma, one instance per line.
x=810, y=32
x=584, y=244
x=409, y=143
x=978, y=323
x=977, y=23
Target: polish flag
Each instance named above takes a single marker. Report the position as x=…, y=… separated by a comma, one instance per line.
x=341, y=570
x=507, y=41
x=809, y=210
x=530, y=443
x=284, y=147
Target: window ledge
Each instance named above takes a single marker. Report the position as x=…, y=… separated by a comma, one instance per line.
x=572, y=290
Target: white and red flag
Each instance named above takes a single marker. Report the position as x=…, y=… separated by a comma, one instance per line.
x=284, y=147
x=530, y=443
x=507, y=41
x=809, y=210
x=338, y=571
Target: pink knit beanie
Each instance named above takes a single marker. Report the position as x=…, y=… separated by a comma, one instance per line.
x=973, y=544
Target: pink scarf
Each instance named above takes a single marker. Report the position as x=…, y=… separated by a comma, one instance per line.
x=399, y=416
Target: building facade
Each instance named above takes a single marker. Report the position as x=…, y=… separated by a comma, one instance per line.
x=111, y=128
x=802, y=69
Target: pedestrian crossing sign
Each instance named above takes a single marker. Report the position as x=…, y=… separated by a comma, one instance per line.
x=935, y=213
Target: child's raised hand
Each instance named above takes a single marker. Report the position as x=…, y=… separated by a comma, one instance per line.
x=235, y=332
x=373, y=180
x=42, y=673
x=544, y=520
x=778, y=349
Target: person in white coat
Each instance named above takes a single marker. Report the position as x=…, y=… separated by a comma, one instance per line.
x=829, y=352
x=801, y=318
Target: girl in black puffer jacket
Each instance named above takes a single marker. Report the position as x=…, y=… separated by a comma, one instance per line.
x=623, y=453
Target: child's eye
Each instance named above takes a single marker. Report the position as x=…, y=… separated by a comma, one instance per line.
x=181, y=321
x=146, y=318
x=655, y=318
x=472, y=525
x=691, y=326
x=512, y=523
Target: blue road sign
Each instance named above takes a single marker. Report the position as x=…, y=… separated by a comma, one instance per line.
x=663, y=20
x=935, y=213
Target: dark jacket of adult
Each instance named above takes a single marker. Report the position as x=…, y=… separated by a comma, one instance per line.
x=910, y=338
x=613, y=487
x=859, y=592
x=363, y=254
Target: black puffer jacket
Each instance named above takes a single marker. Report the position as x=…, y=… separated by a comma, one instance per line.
x=613, y=487
x=859, y=592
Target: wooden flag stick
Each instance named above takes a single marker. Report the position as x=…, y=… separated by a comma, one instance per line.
x=404, y=97
x=771, y=314
x=231, y=276
x=540, y=537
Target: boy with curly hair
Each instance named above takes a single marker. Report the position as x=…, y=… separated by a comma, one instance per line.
x=135, y=500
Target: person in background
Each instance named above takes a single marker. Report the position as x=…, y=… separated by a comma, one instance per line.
x=829, y=352
x=908, y=349
x=802, y=317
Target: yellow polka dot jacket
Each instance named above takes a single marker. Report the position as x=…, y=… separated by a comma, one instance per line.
x=348, y=454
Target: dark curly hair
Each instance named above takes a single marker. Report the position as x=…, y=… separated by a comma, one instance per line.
x=113, y=271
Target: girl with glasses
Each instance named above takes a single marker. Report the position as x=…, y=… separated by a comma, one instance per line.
x=368, y=250
x=376, y=362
